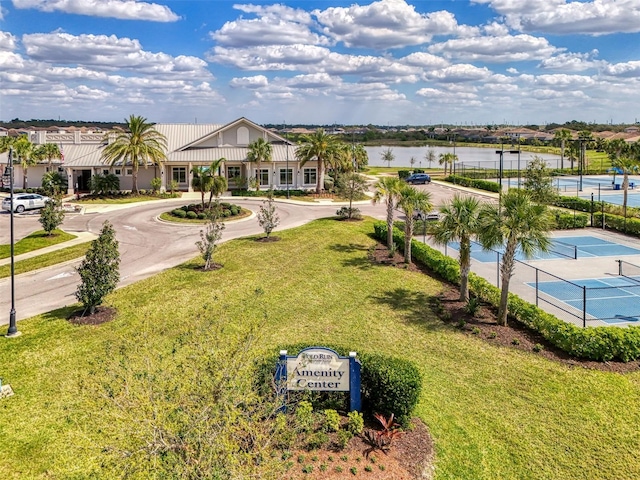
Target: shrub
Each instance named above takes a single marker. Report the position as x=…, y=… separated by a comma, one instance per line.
x=202, y=216
x=156, y=183
x=355, y=423
x=331, y=420
x=179, y=212
x=595, y=343
x=344, y=437
x=304, y=415
x=346, y=212
x=566, y=221
x=403, y=174
x=317, y=440
x=616, y=222
x=191, y=215
x=473, y=183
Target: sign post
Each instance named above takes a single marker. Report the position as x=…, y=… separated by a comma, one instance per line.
x=320, y=369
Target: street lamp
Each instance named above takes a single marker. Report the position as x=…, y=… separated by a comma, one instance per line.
x=13, y=328
x=583, y=143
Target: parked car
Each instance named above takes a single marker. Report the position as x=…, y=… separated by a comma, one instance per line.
x=428, y=216
x=24, y=201
x=418, y=178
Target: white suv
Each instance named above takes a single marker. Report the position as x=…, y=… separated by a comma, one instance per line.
x=24, y=201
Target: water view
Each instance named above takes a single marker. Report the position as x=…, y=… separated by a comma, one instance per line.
x=470, y=156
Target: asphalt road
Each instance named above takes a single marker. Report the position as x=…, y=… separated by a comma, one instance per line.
x=147, y=246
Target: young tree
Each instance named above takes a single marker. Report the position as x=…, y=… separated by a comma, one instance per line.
x=459, y=223
x=515, y=223
x=201, y=181
x=268, y=217
x=448, y=159
x=210, y=236
x=389, y=189
x=430, y=156
x=352, y=186
x=626, y=157
x=100, y=270
x=388, y=156
x=412, y=162
x=219, y=183
x=411, y=200
x=538, y=181
x=52, y=215
x=560, y=138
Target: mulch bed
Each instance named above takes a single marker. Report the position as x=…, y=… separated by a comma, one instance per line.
x=409, y=458
x=484, y=325
x=101, y=315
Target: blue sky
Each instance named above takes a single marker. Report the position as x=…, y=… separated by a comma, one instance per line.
x=393, y=62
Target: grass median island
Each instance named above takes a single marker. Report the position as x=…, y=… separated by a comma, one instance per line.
x=35, y=241
x=46, y=260
x=493, y=412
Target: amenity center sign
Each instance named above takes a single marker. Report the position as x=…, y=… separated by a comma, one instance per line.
x=321, y=369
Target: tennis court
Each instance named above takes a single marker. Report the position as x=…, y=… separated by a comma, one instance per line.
x=613, y=300
x=561, y=248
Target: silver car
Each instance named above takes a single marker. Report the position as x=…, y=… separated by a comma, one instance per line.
x=25, y=201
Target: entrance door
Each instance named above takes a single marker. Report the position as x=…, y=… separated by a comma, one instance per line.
x=84, y=179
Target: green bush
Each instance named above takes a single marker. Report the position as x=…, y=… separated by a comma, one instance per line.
x=264, y=193
x=179, y=212
x=618, y=223
x=567, y=221
x=202, y=216
x=331, y=420
x=403, y=174
x=594, y=343
x=343, y=212
x=473, y=183
x=355, y=424
x=191, y=215
x=575, y=203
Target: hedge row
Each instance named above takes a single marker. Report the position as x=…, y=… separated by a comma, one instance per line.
x=616, y=222
x=389, y=384
x=265, y=193
x=593, y=343
x=473, y=183
x=576, y=203
x=567, y=221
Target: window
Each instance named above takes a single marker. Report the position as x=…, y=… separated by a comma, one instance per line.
x=286, y=176
x=129, y=171
x=264, y=176
x=179, y=174
x=233, y=172
x=310, y=176
x=118, y=171
x=105, y=171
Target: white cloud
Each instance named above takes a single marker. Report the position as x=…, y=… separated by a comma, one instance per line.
x=384, y=24
x=280, y=57
x=572, y=62
x=424, y=60
x=109, y=53
x=459, y=73
x=563, y=82
x=506, y=48
x=276, y=25
x=256, y=81
x=562, y=17
x=625, y=70
x=121, y=9
x=7, y=42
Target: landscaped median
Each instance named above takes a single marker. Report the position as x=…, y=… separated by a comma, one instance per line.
x=594, y=343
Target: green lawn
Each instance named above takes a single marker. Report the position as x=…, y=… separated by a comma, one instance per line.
x=36, y=241
x=494, y=412
x=46, y=260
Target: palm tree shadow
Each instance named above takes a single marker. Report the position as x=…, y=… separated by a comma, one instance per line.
x=416, y=307
x=352, y=247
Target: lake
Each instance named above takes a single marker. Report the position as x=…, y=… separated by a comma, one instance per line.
x=469, y=156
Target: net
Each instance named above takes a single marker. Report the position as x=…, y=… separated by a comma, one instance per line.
x=564, y=249
x=629, y=270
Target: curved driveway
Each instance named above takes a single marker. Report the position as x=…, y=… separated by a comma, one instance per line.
x=147, y=246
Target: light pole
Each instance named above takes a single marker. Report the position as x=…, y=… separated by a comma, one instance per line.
x=287, y=167
x=582, y=139
x=13, y=328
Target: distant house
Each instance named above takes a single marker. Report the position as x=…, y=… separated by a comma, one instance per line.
x=189, y=145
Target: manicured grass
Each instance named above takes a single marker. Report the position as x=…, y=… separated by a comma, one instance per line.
x=494, y=412
x=46, y=260
x=36, y=241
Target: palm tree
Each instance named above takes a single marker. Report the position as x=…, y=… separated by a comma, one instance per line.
x=411, y=200
x=360, y=156
x=201, y=180
x=219, y=183
x=389, y=189
x=516, y=222
x=430, y=156
x=459, y=223
x=626, y=157
x=388, y=156
x=319, y=146
x=48, y=151
x=448, y=159
x=561, y=137
x=140, y=144
x=24, y=150
x=259, y=151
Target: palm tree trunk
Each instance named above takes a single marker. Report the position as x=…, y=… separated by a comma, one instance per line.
x=25, y=181
x=465, y=268
x=506, y=272
x=561, y=154
x=319, y=179
x=258, y=165
x=625, y=188
x=389, y=222
x=408, y=235
x=134, y=182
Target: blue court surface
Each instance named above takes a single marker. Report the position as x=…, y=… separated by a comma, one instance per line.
x=612, y=299
x=562, y=248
